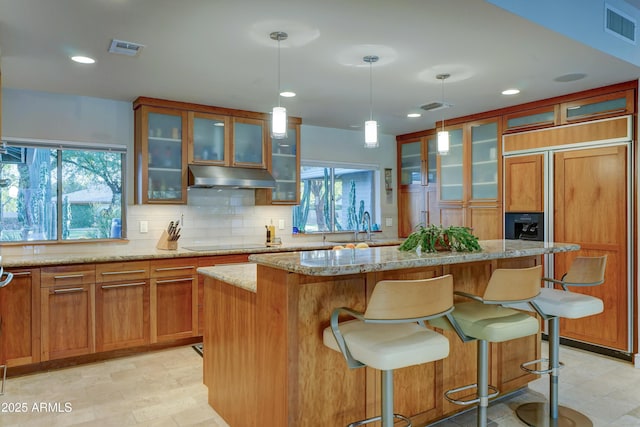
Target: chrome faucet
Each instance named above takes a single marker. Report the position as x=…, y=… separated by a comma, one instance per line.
x=366, y=219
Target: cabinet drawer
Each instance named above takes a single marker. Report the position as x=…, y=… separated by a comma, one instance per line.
x=68, y=275
x=122, y=271
x=178, y=267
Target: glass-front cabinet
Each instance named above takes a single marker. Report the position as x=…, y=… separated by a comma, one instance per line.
x=484, y=161
x=161, y=155
x=285, y=167
x=209, y=139
x=248, y=143
x=451, y=168
x=411, y=162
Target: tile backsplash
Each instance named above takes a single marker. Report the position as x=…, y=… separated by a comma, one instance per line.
x=212, y=216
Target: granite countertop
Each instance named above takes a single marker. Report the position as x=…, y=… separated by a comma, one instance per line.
x=241, y=275
x=84, y=254
x=353, y=261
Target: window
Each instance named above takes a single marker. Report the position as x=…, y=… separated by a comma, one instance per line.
x=334, y=198
x=58, y=191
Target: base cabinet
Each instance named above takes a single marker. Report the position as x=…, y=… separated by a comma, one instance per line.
x=20, y=318
x=122, y=305
x=174, y=299
x=68, y=311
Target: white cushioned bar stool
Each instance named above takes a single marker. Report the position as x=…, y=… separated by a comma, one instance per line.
x=484, y=319
x=3, y=282
x=391, y=333
x=552, y=304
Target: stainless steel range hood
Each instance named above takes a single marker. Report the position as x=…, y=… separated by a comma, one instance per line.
x=221, y=176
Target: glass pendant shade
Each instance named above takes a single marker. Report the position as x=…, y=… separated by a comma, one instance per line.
x=443, y=142
x=370, y=134
x=279, y=123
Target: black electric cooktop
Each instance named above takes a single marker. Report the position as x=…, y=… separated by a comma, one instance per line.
x=207, y=248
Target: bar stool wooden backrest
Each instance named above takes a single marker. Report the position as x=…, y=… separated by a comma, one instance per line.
x=585, y=271
x=410, y=299
x=513, y=284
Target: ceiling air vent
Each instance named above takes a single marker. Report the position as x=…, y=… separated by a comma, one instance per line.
x=433, y=106
x=125, y=48
x=619, y=24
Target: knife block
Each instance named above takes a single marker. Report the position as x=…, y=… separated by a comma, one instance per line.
x=165, y=243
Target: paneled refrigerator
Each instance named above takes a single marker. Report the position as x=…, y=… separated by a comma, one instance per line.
x=583, y=190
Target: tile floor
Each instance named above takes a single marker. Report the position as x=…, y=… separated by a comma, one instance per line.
x=164, y=388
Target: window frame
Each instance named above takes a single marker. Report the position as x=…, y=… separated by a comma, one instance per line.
x=60, y=146
x=332, y=165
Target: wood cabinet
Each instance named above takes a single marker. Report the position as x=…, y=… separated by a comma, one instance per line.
x=530, y=119
x=170, y=135
x=20, y=314
x=591, y=209
x=284, y=165
x=598, y=107
x=209, y=139
x=122, y=305
x=67, y=311
x=174, y=299
x=469, y=177
x=161, y=155
x=417, y=178
x=524, y=183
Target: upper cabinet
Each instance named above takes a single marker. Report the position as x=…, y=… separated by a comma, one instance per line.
x=284, y=165
x=170, y=135
x=598, y=107
x=452, y=168
x=161, y=155
x=209, y=138
x=248, y=143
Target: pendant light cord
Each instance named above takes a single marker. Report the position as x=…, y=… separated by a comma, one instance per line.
x=278, y=71
x=371, y=90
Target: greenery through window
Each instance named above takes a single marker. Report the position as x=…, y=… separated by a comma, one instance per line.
x=51, y=191
x=335, y=198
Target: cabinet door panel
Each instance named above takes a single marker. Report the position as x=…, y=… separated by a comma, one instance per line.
x=175, y=308
x=20, y=314
x=411, y=209
x=484, y=161
x=67, y=321
x=451, y=169
x=209, y=140
x=486, y=221
x=249, y=143
x=524, y=183
x=122, y=315
x=591, y=210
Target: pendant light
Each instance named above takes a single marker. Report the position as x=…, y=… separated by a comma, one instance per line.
x=279, y=114
x=443, y=135
x=370, y=126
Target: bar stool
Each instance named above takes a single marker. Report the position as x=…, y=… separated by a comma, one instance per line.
x=3, y=282
x=553, y=304
x=484, y=319
x=391, y=333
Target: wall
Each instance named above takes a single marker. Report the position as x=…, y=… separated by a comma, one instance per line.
x=226, y=216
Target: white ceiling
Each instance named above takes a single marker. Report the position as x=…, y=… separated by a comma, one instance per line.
x=218, y=52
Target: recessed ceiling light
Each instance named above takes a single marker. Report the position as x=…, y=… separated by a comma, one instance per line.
x=83, y=59
x=287, y=94
x=412, y=115
x=511, y=91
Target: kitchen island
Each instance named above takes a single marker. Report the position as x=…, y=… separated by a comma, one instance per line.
x=264, y=360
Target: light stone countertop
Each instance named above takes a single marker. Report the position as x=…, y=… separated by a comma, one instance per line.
x=241, y=275
x=353, y=261
x=119, y=252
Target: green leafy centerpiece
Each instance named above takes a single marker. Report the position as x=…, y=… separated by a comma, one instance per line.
x=433, y=238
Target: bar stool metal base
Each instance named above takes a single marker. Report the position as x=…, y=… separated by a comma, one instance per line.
x=4, y=378
x=379, y=418
x=536, y=414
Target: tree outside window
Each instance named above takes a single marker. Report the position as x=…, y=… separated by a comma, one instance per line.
x=60, y=193
x=334, y=198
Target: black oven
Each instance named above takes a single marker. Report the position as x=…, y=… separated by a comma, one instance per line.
x=524, y=226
